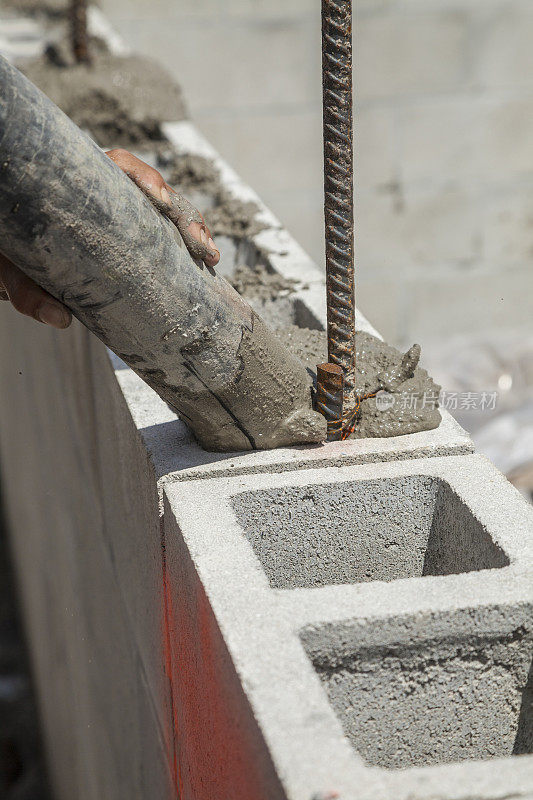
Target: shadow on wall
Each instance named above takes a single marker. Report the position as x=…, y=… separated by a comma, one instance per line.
x=524, y=737
x=22, y=773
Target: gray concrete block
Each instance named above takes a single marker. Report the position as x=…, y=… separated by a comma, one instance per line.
x=413, y=669
x=442, y=695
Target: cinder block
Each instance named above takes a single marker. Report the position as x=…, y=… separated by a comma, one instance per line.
x=445, y=694
x=177, y=457
x=382, y=529
x=418, y=667
x=175, y=454
x=349, y=620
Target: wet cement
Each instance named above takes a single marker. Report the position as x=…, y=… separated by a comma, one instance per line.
x=119, y=100
x=232, y=217
x=407, y=403
x=225, y=215
x=256, y=283
x=190, y=172
x=407, y=400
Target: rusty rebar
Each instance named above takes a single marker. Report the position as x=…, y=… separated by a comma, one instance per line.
x=329, y=397
x=338, y=191
x=78, y=29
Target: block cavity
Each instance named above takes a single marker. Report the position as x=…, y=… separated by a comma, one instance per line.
x=367, y=530
x=434, y=701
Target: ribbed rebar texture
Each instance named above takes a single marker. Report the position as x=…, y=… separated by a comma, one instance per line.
x=329, y=398
x=78, y=23
x=338, y=188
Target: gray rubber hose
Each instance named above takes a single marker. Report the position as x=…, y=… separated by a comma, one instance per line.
x=80, y=228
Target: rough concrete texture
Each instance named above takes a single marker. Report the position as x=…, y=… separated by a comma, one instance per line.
x=134, y=621
x=415, y=669
x=408, y=392
x=222, y=631
x=421, y=701
x=274, y=253
x=177, y=456
x=364, y=531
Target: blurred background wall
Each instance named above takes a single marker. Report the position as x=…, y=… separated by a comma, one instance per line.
x=444, y=140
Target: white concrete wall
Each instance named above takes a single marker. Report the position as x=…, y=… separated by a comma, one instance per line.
x=444, y=140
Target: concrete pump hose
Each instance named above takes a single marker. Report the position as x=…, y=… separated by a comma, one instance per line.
x=81, y=229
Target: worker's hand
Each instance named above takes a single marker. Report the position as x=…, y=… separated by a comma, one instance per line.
x=185, y=216
x=30, y=299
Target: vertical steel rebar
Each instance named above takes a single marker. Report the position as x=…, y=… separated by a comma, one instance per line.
x=79, y=35
x=338, y=190
x=329, y=397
